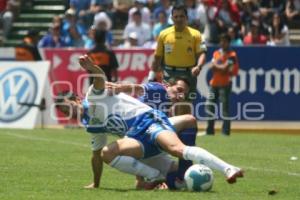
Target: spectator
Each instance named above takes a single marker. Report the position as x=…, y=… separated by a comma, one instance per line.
x=100, y=5
x=193, y=19
x=142, y=29
x=279, y=32
x=209, y=20
x=104, y=58
x=28, y=50
x=131, y=41
x=152, y=4
x=292, y=12
x=103, y=22
x=146, y=14
x=250, y=12
x=72, y=31
x=82, y=9
x=269, y=7
x=227, y=15
x=160, y=25
x=254, y=36
x=121, y=9
x=80, y=6
x=54, y=38
x=234, y=37
x=8, y=15
x=224, y=66
x=165, y=6
x=58, y=19
x=89, y=39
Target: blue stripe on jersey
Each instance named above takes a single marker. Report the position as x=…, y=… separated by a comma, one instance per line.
x=85, y=120
x=156, y=96
x=144, y=121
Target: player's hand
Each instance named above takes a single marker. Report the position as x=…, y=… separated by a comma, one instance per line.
x=90, y=186
x=196, y=71
x=86, y=63
x=151, y=76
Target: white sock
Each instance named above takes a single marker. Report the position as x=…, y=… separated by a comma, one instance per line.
x=201, y=156
x=132, y=166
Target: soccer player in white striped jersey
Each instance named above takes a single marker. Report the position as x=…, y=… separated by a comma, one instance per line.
x=148, y=132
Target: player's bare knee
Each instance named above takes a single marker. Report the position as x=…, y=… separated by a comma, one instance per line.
x=108, y=154
x=191, y=121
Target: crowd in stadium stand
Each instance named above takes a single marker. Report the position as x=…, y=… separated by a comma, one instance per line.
x=249, y=22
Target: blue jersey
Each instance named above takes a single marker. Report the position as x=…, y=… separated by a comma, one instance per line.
x=156, y=96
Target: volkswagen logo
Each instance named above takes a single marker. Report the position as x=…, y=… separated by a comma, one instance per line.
x=115, y=124
x=17, y=85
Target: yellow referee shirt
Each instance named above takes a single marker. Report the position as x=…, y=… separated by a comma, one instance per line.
x=179, y=49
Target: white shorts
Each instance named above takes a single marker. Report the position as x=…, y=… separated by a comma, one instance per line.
x=163, y=162
x=98, y=141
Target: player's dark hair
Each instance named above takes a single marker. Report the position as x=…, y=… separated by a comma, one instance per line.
x=180, y=7
x=174, y=80
x=60, y=98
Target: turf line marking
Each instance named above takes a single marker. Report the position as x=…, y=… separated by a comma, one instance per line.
x=273, y=171
x=44, y=139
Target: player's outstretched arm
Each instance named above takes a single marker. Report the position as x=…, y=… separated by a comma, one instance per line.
x=131, y=89
x=99, y=78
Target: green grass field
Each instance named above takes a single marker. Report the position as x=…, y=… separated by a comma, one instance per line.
x=55, y=164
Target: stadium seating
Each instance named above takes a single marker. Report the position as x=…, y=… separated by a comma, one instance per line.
x=37, y=15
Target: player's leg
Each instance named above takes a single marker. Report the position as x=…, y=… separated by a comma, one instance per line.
x=123, y=154
x=164, y=163
x=170, y=143
x=224, y=93
x=210, y=110
x=186, y=129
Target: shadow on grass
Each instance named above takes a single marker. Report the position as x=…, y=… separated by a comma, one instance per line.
x=118, y=189
x=155, y=190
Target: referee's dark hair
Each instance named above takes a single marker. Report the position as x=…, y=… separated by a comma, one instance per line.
x=180, y=7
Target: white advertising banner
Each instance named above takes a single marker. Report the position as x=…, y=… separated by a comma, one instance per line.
x=22, y=87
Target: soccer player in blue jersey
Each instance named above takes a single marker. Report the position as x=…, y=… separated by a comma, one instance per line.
x=148, y=131
x=162, y=97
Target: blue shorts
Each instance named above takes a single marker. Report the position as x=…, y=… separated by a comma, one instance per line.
x=158, y=122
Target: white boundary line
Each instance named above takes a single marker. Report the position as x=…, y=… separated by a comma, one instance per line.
x=271, y=171
x=43, y=139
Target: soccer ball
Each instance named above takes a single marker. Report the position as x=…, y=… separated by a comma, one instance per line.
x=199, y=178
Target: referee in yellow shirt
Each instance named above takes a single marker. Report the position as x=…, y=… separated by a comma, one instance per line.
x=180, y=52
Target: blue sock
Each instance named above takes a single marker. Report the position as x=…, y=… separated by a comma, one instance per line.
x=188, y=137
x=170, y=180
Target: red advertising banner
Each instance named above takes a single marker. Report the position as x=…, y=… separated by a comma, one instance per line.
x=66, y=74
